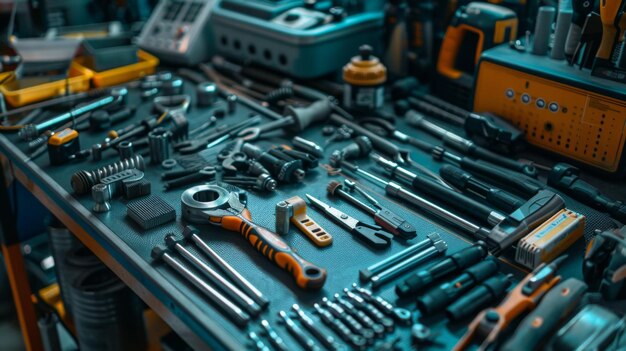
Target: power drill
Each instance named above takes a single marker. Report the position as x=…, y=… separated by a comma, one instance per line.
x=473, y=29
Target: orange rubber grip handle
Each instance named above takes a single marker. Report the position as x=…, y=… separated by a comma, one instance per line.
x=306, y=274
x=609, y=10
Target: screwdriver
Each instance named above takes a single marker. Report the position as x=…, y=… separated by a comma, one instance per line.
x=565, y=178
x=441, y=193
x=519, y=183
x=514, y=181
x=539, y=208
x=396, y=190
x=465, y=181
x=452, y=263
x=466, y=146
x=609, y=10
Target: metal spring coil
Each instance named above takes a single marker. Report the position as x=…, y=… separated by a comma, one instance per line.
x=275, y=96
x=82, y=181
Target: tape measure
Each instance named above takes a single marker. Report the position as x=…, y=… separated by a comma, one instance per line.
x=62, y=145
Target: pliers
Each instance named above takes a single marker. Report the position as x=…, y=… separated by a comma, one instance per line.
x=372, y=235
x=384, y=217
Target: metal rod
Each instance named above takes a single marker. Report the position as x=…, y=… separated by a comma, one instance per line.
x=240, y=317
x=396, y=190
x=234, y=292
x=392, y=272
x=376, y=268
x=231, y=272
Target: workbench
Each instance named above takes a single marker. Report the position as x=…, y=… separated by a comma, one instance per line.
x=125, y=248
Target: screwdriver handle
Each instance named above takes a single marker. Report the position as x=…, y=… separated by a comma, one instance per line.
x=272, y=246
x=452, y=198
x=609, y=10
x=484, y=154
x=557, y=305
x=467, y=183
x=522, y=184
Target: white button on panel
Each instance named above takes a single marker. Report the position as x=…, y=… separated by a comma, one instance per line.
x=553, y=106
x=541, y=103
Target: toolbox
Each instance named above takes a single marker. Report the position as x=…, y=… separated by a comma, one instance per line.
x=300, y=52
x=102, y=54
x=146, y=65
x=78, y=81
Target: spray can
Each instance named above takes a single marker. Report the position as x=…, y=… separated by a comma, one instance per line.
x=364, y=77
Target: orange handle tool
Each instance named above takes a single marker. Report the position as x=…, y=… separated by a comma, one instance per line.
x=609, y=9
x=524, y=297
x=225, y=205
x=272, y=246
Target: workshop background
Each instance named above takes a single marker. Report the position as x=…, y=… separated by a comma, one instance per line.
x=432, y=174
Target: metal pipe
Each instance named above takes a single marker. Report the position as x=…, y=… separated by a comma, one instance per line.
x=234, y=292
x=392, y=272
x=244, y=284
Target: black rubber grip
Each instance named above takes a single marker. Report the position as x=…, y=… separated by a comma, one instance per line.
x=465, y=181
x=519, y=183
x=438, y=298
x=483, y=295
x=452, y=198
x=484, y=154
x=452, y=263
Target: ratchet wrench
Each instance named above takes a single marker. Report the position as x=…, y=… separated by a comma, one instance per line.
x=225, y=205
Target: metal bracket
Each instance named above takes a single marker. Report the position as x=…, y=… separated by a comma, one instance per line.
x=294, y=210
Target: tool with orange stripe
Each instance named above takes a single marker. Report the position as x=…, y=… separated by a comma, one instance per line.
x=476, y=27
x=225, y=205
x=488, y=326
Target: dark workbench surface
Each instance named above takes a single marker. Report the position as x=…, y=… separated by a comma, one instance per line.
x=130, y=246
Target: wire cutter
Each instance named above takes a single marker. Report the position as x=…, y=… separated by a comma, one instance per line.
x=383, y=216
x=372, y=235
x=224, y=205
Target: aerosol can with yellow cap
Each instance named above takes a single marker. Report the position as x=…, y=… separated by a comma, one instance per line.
x=364, y=77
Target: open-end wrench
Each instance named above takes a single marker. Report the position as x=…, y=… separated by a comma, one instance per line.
x=191, y=146
x=254, y=133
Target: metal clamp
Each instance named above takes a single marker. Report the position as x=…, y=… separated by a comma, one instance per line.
x=294, y=210
x=115, y=181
